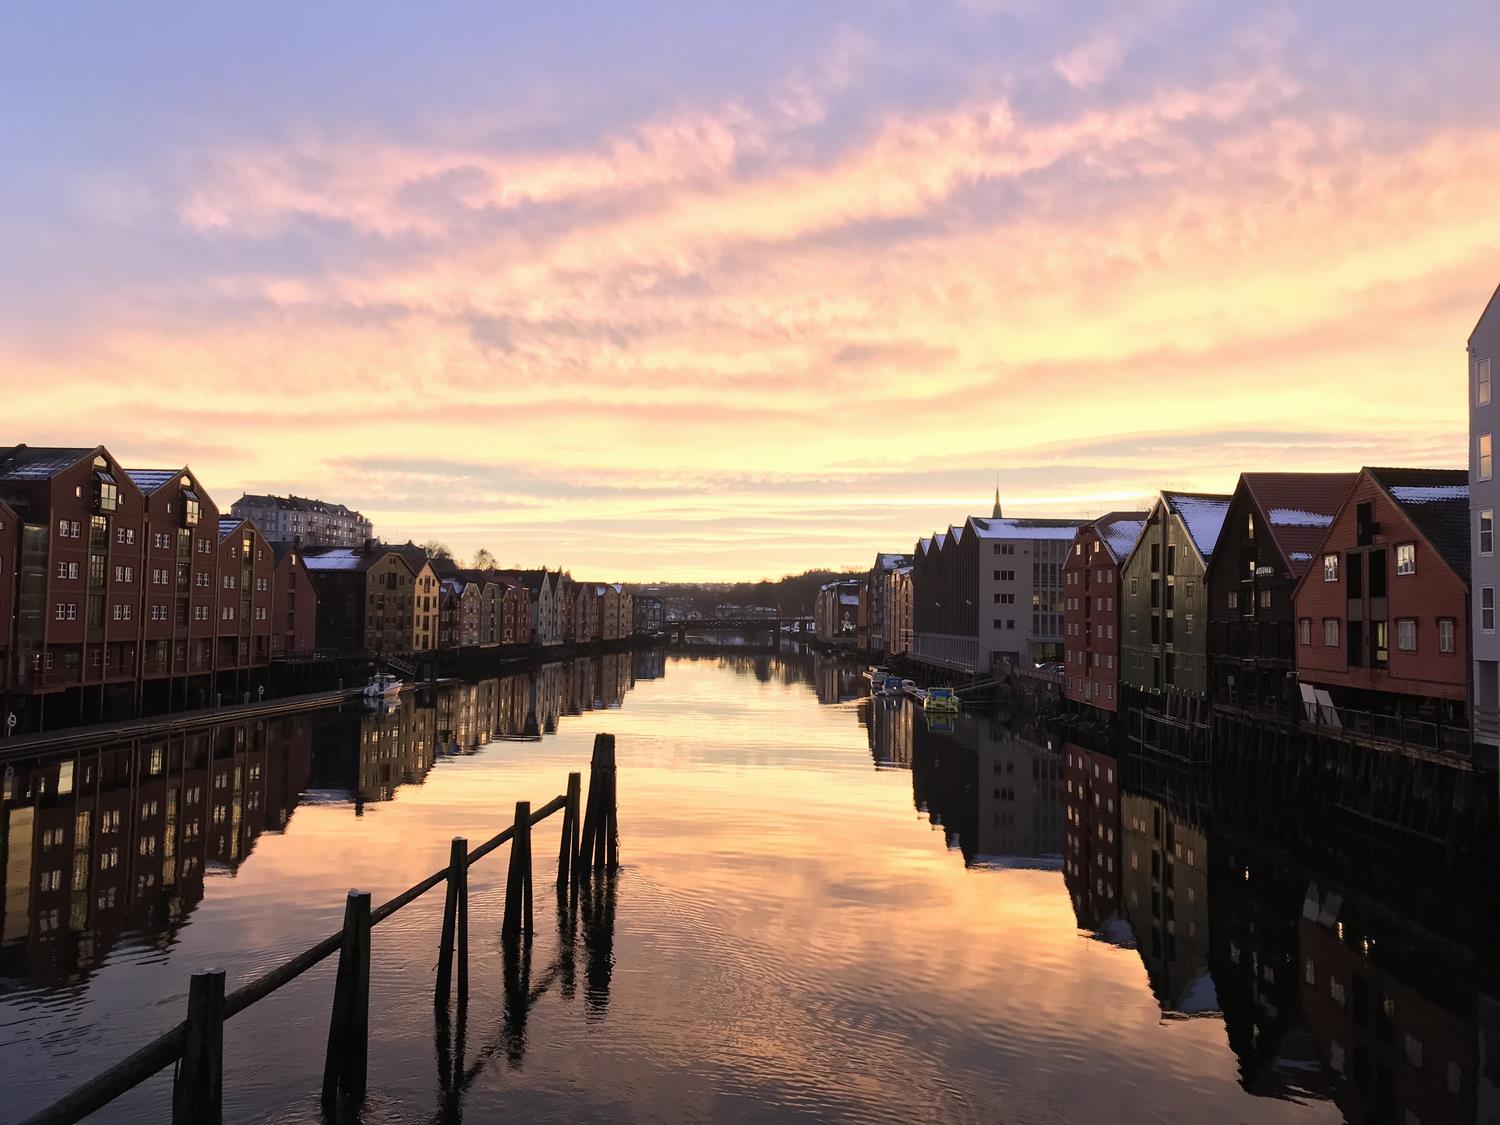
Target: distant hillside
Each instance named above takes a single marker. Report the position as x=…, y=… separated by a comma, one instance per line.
x=793, y=595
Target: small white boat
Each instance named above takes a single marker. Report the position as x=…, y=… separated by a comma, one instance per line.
x=382, y=685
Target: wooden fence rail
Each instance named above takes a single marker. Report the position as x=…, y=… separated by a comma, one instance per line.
x=197, y=1042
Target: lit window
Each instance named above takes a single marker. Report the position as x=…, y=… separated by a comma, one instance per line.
x=1486, y=456
x=1406, y=558
x=1330, y=568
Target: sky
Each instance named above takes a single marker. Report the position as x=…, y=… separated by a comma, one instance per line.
x=724, y=291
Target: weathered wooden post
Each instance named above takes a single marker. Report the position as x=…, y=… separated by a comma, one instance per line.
x=611, y=813
x=597, y=817
x=197, y=1093
x=567, y=852
x=518, y=883
x=349, y=1027
x=458, y=871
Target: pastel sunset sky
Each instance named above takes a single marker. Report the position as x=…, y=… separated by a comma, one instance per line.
x=711, y=290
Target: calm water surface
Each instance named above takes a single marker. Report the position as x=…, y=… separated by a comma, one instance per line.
x=827, y=911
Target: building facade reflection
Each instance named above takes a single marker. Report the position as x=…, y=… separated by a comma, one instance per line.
x=118, y=840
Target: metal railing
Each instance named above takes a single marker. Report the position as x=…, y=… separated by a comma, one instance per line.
x=1398, y=730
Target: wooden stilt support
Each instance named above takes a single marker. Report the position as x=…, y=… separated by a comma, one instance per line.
x=567, y=852
x=197, y=1094
x=518, y=885
x=598, y=818
x=458, y=870
x=349, y=1028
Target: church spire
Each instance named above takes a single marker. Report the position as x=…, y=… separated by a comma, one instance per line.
x=995, y=514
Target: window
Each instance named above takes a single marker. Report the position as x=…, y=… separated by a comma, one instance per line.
x=1330, y=568
x=1406, y=558
x=1487, y=531
x=1232, y=599
x=1330, y=632
x=125, y=535
x=1487, y=608
x=1446, y=627
x=1406, y=634
x=1486, y=456
x=1304, y=631
x=1187, y=623
x=1482, y=382
x=1265, y=599
x=1413, y=1047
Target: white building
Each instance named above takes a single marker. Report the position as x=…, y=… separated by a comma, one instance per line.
x=1484, y=499
x=283, y=519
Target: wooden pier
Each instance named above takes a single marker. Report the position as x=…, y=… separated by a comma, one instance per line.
x=588, y=851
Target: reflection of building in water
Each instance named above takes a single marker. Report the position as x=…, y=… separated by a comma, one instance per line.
x=836, y=681
x=396, y=747
x=997, y=795
x=1255, y=897
x=1165, y=882
x=1091, y=841
x=1393, y=1009
x=118, y=840
x=650, y=663
x=888, y=724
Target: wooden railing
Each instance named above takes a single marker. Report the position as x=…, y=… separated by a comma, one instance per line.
x=197, y=1043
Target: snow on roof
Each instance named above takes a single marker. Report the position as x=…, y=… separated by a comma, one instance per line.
x=227, y=525
x=345, y=558
x=1301, y=556
x=22, y=462
x=1430, y=494
x=149, y=480
x=1203, y=516
x=987, y=528
x=848, y=599
x=1120, y=536
x=1295, y=517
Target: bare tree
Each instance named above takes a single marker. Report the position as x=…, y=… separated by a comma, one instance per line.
x=437, y=550
x=483, y=559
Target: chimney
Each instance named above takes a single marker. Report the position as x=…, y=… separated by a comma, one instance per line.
x=369, y=545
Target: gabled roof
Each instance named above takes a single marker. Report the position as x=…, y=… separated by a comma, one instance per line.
x=987, y=528
x=1492, y=303
x=1437, y=503
x=228, y=525
x=22, y=462
x=149, y=480
x=415, y=556
x=1296, y=510
x=1119, y=531
x=1202, y=513
x=890, y=560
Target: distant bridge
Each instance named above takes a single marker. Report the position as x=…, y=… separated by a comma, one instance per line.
x=677, y=631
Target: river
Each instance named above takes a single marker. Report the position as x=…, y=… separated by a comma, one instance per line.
x=828, y=910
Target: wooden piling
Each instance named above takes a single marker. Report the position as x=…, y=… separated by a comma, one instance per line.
x=598, y=816
x=567, y=852
x=612, y=820
x=458, y=866
x=344, y=1066
x=518, y=907
x=197, y=1093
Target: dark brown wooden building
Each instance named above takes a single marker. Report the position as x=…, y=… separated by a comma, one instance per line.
x=79, y=578
x=246, y=566
x=1272, y=531
x=10, y=552
x=364, y=599
x=181, y=583
x=294, y=605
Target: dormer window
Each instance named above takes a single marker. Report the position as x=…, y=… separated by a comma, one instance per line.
x=190, y=508
x=106, y=492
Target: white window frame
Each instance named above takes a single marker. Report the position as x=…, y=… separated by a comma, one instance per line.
x=1487, y=609
x=1484, y=456
x=1331, y=632
x=1407, y=566
x=1330, y=566
x=1485, y=535
x=1406, y=630
x=1483, y=389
